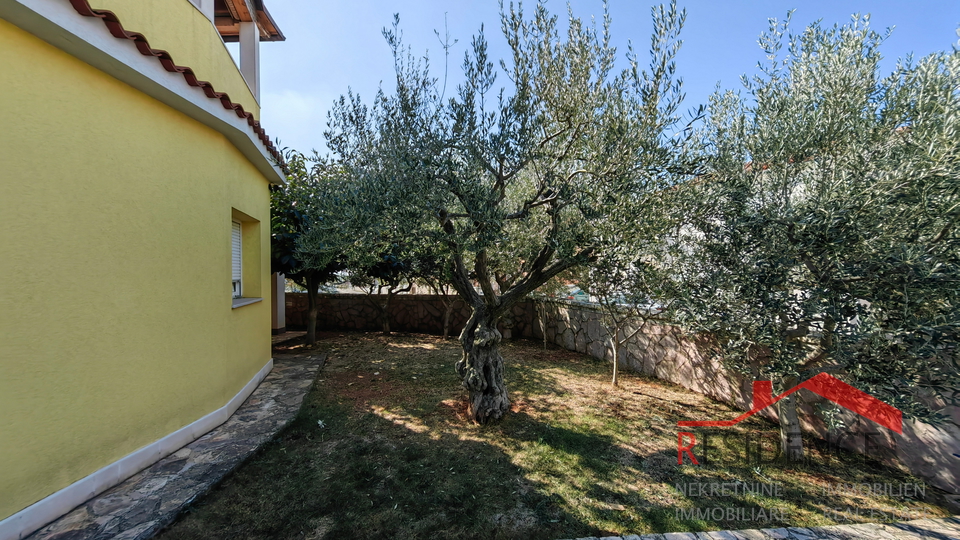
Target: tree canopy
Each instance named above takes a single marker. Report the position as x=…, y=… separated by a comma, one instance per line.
x=822, y=235
x=516, y=184
x=809, y=225
x=290, y=218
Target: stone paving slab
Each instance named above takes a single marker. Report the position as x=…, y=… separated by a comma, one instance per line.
x=925, y=529
x=288, y=335
x=149, y=500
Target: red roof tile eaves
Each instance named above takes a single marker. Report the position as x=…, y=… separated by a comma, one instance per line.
x=116, y=29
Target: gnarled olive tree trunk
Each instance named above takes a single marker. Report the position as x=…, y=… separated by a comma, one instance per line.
x=481, y=367
x=448, y=305
x=791, y=432
x=384, y=306
x=313, y=308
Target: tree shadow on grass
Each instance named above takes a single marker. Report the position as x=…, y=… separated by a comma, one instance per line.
x=596, y=476
x=396, y=457
x=725, y=493
x=733, y=490
x=370, y=476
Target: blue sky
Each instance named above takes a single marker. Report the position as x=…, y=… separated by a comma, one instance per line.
x=333, y=46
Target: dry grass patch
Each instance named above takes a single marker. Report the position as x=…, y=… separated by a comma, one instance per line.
x=396, y=457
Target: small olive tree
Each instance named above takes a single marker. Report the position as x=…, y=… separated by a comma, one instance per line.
x=629, y=276
x=435, y=275
x=307, y=179
x=517, y=183
x=386, y=278
x=823, y=237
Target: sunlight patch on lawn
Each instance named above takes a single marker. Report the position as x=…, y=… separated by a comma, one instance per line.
x=412, y=423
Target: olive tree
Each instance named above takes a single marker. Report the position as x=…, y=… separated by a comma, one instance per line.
x=823, y=236
x=387, y=277
x=382, y=260
x=517, y=183
x=629, y=276
x=435, y=275
x=307, y=179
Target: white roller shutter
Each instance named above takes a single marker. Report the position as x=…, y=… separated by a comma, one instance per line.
x=237, y=268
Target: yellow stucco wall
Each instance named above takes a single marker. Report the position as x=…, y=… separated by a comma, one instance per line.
x=115, y=302
x=179, y=28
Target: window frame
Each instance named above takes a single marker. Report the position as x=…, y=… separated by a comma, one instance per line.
x=249, y=254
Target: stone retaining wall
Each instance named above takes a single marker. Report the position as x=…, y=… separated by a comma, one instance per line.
x=931, y=453
x=420, y=313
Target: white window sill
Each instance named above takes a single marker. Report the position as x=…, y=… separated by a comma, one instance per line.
x=240, y=302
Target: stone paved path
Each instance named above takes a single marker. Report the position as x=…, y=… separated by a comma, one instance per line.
x=287, y=336
x=928, y=529
x=149, y=500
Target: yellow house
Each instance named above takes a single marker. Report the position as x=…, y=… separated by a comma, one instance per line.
x=134, y=246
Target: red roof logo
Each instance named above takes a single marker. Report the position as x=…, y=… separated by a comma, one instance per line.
x=825, y=385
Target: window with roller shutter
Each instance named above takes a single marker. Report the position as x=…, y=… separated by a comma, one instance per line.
x=245, y=262
x=236, y=247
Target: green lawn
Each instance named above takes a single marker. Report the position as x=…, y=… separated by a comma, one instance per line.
x=395, y=458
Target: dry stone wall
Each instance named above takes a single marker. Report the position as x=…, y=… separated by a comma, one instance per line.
x=408, y=313
x=929, y=452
